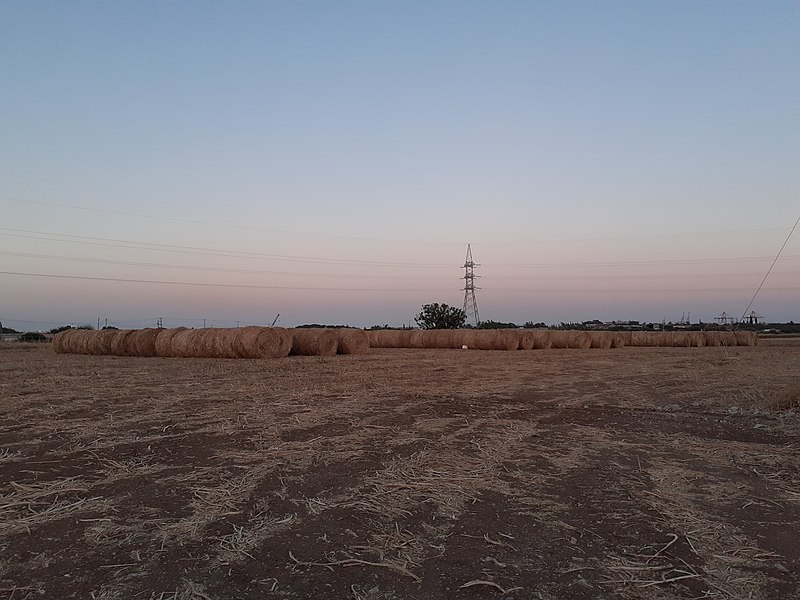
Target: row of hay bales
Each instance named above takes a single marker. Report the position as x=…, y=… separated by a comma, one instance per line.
x=520, y=339
x=240, y=342
x=494, y=339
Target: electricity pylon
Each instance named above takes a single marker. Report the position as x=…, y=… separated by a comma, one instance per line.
x=470, y=303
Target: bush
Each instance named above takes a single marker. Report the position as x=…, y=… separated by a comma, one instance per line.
x=32, y=336
x=440, y=316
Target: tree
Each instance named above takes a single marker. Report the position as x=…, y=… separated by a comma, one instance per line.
x=440, y=316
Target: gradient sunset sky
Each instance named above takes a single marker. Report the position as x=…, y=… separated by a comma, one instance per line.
x=330, y=161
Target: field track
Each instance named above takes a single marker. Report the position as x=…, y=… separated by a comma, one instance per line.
x=402, y=474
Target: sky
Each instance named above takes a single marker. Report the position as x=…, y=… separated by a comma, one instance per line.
x=224, y=163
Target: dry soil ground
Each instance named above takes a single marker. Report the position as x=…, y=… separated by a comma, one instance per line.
x=402, y=474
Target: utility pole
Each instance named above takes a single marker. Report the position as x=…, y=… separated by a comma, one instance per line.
x=470, y=303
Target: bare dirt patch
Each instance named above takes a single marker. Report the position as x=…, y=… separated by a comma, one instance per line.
x=402, y=474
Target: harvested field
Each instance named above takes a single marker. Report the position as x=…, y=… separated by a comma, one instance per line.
x=632, y=472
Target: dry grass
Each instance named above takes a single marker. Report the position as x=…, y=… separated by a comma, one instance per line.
x=400, y=473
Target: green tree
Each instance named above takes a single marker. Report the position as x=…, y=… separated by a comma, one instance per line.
x=440, y=316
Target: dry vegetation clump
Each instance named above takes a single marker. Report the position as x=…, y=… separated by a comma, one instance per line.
x=788, y=400
x=314, y=342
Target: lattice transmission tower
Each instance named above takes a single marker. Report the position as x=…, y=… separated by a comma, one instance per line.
x=470, y=303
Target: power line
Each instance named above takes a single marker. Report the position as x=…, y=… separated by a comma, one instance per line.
x=206, y=268
x=391, y=290
x=108, y=211
x=777, y=256
x=116, y=243
x=90, y=260
x=537, y=241
x=201, y=251
x=216, y=285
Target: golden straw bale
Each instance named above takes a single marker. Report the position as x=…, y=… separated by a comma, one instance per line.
x=727, y=338
x=697, y=339
x=526, y=340
x=221, y=340
x=681, y=339
x=380, y=338
x=460, y=338
x=542, y=340
x=82, y=340
x=712, y=338
x=183, y=343
x=314, y=342
x=100, y=343
x=262, y=342
x=352, y=341
x=495, y=339
x=570, y=338
x=418, y=338
x=746, y=338
x=600, y=339
x=164, y=341
x=72, y=341
x=118, y=343
x=142, y=342
x=617, y=339
x=61, y=341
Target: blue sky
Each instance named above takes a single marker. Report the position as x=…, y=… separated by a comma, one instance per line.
x=330, y=161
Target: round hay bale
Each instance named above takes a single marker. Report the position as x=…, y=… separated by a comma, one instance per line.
x=681, y=339
x=314, y=342
x=262, y=342
x=164, y=341
x=352, y=341
x=525, y=340
x=495, y=339
x=727, y=338
x=142, y=342
x=419, y=339
x=600, y=339
x=746, y=338
x=617, y=339
x=697, y=339
x=80, y=341
x=382, y=338
x=60, y=341
x=542, y=340
x=100, y=343
x=468, y=338
x=712, y=338
x=183, y=343
x=570, y=338
x=118, y=345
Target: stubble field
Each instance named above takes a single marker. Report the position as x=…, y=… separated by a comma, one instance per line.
x=402, y=474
